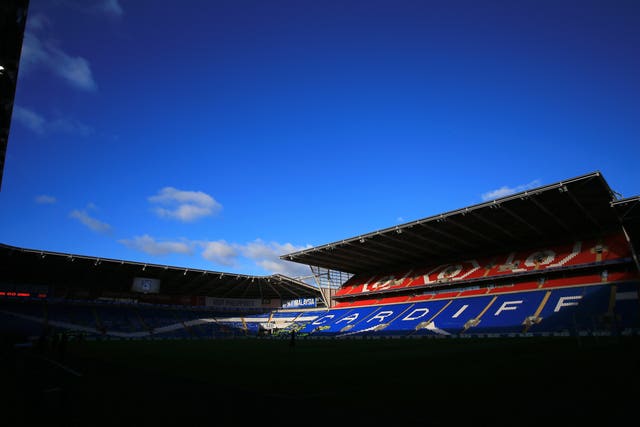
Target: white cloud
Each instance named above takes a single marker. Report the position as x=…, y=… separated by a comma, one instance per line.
x=184, y=205
x=220, y=252
x=267, y=256
x=70, y=126
x=41, y=125
x=44, y=199
x=29, y=119
x=33, y=53
x=149, y=245
x=259, y=249
x=38, y=22
x=112, y=7
x=286, y=268
x=75, y=70
x=506, y=191
x=92, y=223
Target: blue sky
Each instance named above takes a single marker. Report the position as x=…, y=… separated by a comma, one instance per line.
x=220, y=135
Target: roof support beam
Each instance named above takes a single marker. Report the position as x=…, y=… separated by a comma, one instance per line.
x=270, y=285
x=332, y=254
x=474, y=232
x=367, y=247
x=445, y=234
x=420, y=253
x=522, y=220
x=629, y=204
x=582, y=208
x=247, y=287
x=377, y=255
x=196, y=284
x=431, y=242
x=633, y=251
x=550, y=214
x=291, y=293
x=230, y=286
x=484, y=220
x=348, y=264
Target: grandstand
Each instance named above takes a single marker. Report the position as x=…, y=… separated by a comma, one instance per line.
x=98, y=297
x=559, y=259
x=555, y=260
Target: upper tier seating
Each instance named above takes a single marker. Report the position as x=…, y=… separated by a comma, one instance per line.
x=609, y=250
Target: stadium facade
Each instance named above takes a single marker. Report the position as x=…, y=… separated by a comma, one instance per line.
x=558, y=259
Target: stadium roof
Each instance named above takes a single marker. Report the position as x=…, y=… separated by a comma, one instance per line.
x=579, y=207
x=13, y=16
x=36, y=267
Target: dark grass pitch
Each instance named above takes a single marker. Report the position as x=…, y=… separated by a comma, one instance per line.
x=470, y=381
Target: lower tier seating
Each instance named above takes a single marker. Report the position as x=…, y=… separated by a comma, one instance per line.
x=611, y=307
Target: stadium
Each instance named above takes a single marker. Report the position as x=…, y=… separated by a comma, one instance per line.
x=522, y=308
x=474, y=271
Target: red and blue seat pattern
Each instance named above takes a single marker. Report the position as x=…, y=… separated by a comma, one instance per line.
x=606, y=251
x=588, y=286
